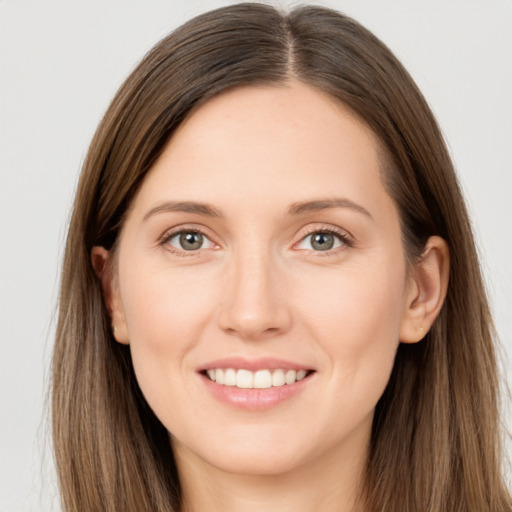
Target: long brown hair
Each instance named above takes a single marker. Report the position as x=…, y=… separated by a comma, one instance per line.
x=435, y=440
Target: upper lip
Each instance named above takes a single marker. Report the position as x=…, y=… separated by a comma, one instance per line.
x=264, y=363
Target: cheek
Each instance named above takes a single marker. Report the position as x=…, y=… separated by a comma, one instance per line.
x=355, y=301
x=163, y=307
x=165, y=313
x=355, y=314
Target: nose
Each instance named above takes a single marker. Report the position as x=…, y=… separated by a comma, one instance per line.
x=254, y=305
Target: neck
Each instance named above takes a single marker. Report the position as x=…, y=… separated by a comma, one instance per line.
x=330, y=485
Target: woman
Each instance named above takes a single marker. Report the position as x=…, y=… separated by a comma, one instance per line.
x=271, y=296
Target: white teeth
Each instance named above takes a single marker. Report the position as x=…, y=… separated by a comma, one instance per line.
x=290, y=377
x=278, y=378
x=261, y=379
x=230, y=377
x=219, y=376
x=244, y=379
x=301, y=374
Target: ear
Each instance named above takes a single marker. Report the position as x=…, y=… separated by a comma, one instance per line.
x=103, y=266
x=426, y=291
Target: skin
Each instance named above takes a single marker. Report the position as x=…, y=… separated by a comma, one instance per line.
x=257, y=287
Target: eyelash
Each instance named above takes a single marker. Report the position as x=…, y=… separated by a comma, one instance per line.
x=169, y=235
x=345, y=239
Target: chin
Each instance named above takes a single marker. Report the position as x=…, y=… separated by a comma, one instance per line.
x=258, y=464
x=252, y=455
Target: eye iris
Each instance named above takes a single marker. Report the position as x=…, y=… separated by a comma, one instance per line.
x=322, y=241
x=191, y=241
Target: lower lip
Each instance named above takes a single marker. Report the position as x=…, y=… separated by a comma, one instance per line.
x=255, y=399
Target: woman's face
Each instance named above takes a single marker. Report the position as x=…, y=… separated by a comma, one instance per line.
x=263, y=247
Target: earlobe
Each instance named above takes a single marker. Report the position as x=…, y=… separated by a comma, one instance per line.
x=102, y=265
x=427, y=290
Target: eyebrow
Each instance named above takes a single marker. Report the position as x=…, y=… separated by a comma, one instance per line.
x=324, y=204
x=185, y=207
x=295, y=209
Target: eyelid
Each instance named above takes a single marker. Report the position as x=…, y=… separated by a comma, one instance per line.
x=185, y=228
x=344, y=236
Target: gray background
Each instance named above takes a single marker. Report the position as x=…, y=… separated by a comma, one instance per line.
x=60, y=64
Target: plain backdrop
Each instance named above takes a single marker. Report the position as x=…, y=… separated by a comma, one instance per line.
x=60, y=64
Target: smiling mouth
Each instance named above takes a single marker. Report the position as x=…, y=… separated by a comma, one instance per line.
x=260, y=379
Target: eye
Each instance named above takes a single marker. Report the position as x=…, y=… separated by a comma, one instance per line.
x=322, y=241
x=189, y=241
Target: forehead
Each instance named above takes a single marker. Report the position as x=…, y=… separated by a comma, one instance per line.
x=286, y=142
